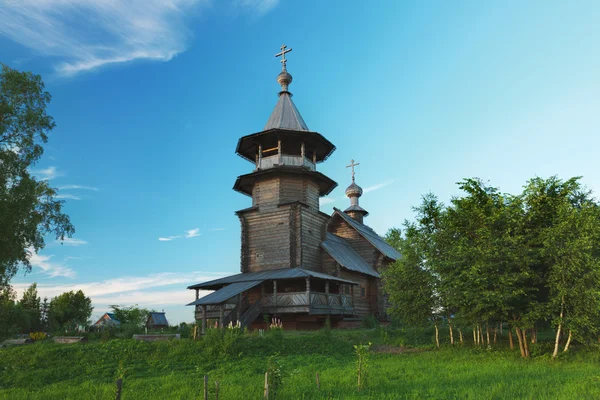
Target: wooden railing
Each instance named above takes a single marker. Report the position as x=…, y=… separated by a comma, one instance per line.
x=295, y=161
x=317, y=299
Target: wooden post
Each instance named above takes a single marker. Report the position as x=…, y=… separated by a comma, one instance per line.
x=203, y=319
x=197, y=294
x=205, y=387
x=217, y=390
x=308, y=290
x=259, y=155
x=195, y=330
x=315, y=158
x=302, y=151
x=279, y=151
x=221, y=313
x=239, y=306
x=266, y=385
x=274, y=293
x=327, y=295
x=119, y=388
x=318, y=383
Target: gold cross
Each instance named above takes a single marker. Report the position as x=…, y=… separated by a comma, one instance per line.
x=282, y=54
x=352, y=165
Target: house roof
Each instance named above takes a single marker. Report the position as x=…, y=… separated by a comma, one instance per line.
x=225, y=293
x=111, y=317
x=286, y=115
x=158, y=318
x=346, y=256
x=370, y=235
x=283, y=273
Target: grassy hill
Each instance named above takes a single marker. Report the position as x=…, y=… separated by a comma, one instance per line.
x=175, y=369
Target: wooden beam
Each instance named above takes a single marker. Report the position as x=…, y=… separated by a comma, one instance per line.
x=271, y=149
x=275, y=294
x=308, y=290
x=203, y=319
x=221, y=312
x=197, y=294
x=327, y=295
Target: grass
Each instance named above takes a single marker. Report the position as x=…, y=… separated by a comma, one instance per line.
x=174, y=370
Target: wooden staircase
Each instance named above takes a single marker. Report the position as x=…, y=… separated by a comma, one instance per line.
x=251, y=313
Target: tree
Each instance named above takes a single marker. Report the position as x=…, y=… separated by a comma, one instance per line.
x=132, y=315
x=70, y=309
x=29, y=209
x=30, y=304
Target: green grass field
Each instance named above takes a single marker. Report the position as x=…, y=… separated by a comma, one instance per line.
x=175, y=370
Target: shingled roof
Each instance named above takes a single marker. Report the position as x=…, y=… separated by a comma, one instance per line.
x=286, y=115
x=370, y=235
x=346, y=256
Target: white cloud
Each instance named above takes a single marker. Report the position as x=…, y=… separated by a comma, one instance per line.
x=73, y=187
x=67, y=196
x=327, y=200
x=260, y=7
x=192, y=233
x=46, y=173
x=53, y=269
x=378, y=186
x=71, y=242
x=87, y=34
x=168, y=238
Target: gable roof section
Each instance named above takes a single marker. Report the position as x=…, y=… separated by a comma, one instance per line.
x=370, y=235
x=283, y=273
x=158, y=318
x=346, y=256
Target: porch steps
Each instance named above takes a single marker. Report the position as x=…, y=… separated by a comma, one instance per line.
x=251, y=313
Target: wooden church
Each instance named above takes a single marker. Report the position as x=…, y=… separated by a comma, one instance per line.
x=298, y=264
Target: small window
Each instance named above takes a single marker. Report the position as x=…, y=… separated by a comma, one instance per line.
x=363, y=291
x=346, y=289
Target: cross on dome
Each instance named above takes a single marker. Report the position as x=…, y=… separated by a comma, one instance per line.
x=352, y=165
x=282, y=54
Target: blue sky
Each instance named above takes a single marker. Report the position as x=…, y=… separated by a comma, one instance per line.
x=150, y=98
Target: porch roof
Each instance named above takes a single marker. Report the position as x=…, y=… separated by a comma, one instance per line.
x=225, y=293
x=283, y=273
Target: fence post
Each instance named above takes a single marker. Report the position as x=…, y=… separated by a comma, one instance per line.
x=119, y=388
x=217, y=390
x=318, y=383
x=205, y=387
x=266, y=385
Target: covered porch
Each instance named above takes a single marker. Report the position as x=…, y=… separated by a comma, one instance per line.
x=244, y=297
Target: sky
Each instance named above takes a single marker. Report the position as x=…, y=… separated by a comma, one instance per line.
x=151, y=96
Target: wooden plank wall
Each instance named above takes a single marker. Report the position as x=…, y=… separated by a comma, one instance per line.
x=268, y=239
x=265, y=193
x=313, y=234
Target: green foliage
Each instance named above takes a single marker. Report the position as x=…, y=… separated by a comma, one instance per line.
x=362, y=364
x=530, y=259
x=28, y=207
x=70, y=309
x=174, y=369
x=275, y=375
x=131, y=315
x=370, y=322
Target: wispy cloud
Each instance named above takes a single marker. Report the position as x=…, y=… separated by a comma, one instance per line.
x=46, y=173
x=168, y=238
x=327, y=200
x=188, y=234
x=68, y=196
x=112, y=291
x=259, y=7
x=76, y=187
x=45, y=264
x=71, y=242
x=192, y=233
x=378, y=186
x=87, y=34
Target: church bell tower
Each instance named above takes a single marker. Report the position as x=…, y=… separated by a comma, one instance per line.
x=284, y=227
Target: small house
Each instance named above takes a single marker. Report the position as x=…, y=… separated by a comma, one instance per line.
x=157, y=320
x=107, y=320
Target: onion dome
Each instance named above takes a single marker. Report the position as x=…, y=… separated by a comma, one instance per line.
x=354, y=190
